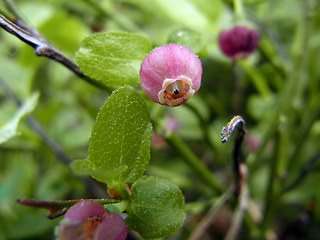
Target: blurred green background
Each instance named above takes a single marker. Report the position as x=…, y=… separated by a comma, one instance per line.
x=276, y=91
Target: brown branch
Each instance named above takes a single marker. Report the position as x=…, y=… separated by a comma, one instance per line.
x=236, y=125
x=240, y=171
x=58, y=208
x=43, y=48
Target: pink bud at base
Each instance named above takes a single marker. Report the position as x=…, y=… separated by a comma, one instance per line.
x=170, y=74
x=88, y=219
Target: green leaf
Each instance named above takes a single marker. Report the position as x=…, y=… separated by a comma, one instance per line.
x=10, y=129
x=157, y=208
x=114, y=58
x=119, y=147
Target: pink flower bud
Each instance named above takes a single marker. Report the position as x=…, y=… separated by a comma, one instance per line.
x=170, y=74
x=238, y=42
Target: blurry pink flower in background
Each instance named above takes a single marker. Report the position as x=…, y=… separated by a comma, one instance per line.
x=238, y=42
x=252, y=142
x=88, y=220
x=170, y=124
x=170, y=74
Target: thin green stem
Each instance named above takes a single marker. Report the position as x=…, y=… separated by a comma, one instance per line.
x=292, y=90
x=311, y=116
x=237, y=217
x=258, y=79
x=311, y=113
x=203, y=123
x=238, y=9
x=308, y=167
x=237, y=89
x=119, y=207
x=121, y=19
x=106, y=201
x=100, y=11
x=289, y=92
x=193, y=161
x=251, y=224
x=270, y=194
x=210, y=216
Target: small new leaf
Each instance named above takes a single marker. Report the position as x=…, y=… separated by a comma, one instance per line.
x=119, y=146
x=156, y=209
x=113, y=58
x=10, y=129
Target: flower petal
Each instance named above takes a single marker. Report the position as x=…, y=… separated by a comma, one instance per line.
x=83, y=210
x=112, y=227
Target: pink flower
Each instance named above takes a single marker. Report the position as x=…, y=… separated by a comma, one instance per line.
x=238, y=42
x=170, y=74
x=87, y=220
x=170, y=124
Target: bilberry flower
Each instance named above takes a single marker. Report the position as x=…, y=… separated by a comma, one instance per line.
x=87, y=220
x=170, y=74
x=238, y=42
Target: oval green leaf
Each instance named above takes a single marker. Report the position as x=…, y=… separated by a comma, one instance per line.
x=119, y=146
x=157, y=208
x=113, y=58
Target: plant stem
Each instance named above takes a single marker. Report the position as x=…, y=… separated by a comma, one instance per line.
x=210, y=216
x=238, y=214
x=100, y=11
x=270, y=193
x=193, y=161
x=237, y=89
x=238, y=9
x=203, y=122
x=240, y=172
x=308, y=167
x=291, y=89
x=312, y=114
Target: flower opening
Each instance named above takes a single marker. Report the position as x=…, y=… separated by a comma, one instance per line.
x=176, y=91
x=170, y=74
